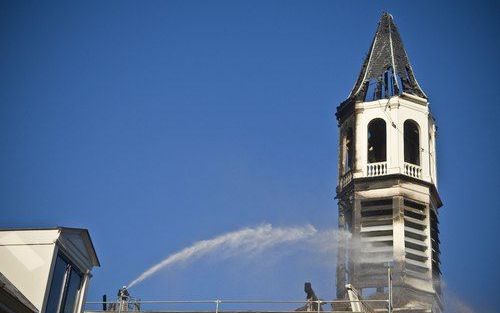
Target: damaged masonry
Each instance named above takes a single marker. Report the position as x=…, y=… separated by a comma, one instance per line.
x=387, y=188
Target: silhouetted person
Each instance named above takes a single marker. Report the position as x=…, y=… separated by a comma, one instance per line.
x=312, y=304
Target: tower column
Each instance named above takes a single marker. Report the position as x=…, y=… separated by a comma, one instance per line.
x=398, y=238
x=341, y=256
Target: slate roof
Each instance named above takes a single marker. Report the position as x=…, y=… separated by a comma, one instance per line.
x=387, y=53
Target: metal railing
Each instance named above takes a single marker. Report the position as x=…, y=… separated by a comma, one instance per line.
x=228, y=306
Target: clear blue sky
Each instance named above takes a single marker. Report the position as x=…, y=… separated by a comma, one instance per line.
x=156, y=124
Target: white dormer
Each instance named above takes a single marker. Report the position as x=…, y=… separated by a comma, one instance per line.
x=51, y=267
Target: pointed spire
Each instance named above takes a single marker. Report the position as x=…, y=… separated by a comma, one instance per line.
x=386, y=70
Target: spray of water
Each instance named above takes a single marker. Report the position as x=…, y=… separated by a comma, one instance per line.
x=244, y=241
x=252, y=241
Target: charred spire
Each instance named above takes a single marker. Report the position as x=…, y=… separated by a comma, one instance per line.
x=386, y=71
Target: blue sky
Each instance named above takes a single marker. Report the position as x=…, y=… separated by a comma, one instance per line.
x=156, y=124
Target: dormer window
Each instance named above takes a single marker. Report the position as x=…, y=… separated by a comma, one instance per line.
x=65, y=287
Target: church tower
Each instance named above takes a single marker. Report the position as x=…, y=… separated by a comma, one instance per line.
x=387, y=186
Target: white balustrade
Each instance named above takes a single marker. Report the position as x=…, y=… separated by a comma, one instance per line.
x=380, y=168
x=345, y=179
x=412, y=170
x=376, y=169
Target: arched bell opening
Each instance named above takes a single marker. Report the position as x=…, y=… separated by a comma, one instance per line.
x=377, y=141
x=348, y=151
x=411, y=142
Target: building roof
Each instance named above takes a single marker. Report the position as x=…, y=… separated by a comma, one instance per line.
x=386, y=54
x=19, y=300
x=87, y=240
x=84, y=233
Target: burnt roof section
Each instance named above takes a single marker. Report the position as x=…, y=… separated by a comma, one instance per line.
x=386, y=54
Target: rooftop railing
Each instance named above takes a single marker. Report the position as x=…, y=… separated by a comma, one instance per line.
x=231, y=306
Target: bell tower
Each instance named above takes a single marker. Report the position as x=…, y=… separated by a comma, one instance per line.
x=387, y=186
